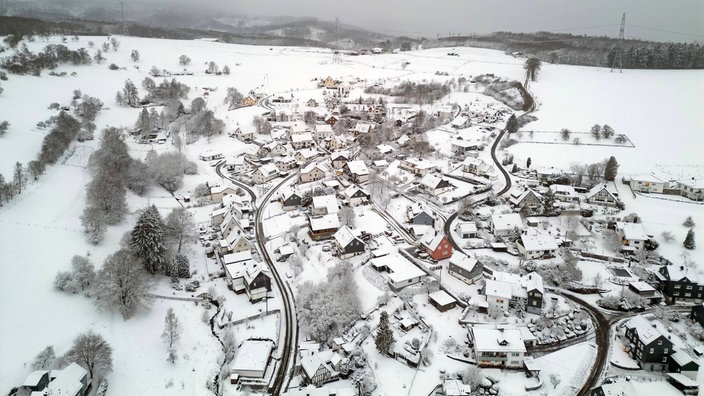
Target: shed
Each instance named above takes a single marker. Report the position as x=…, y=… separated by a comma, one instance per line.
x=442, y=300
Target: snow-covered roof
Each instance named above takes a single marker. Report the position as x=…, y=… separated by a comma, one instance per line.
x=327, y=390
x=308, y=153
x=329, y=202
x=598, y=188
x=693, y=183
x=432, y=239
x=67, y=381
x=252, y=355
x=455, y=387
x=632, y=231
x=385, y=148
x=637, y=388
x=403, y=139
x=441, y=297
x=363, y=127
x=678, y=273
x=344, y=236
x=323, y=128
x=538, y=241
x=340, y=154
x=563, y=189
x=682, y=358
x=352, y=189
x=380, y=163
x=325, y=222
x=432, y=181
x=460, y=121
x=506, y=221
x=647, y=331
x=302, y=137
x=311, y=167
x=311, y=362
x=401, y=269
x=268, y=169
x=641, y=287
x=34, y=378
x=488, y=339
x=286, y=250
x=466, y=227
x=498, y=289
x=237, y=257
x=464, y=262
x=357, y=167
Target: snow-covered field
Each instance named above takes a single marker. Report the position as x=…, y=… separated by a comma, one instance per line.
x=40, y=230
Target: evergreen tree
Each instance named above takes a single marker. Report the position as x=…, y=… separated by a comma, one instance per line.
x=226, y=70
x=4, y=126
x=147, y=240
x=532, y=67
x=548, y=202
x=183, y=269
x=565, y=133
x=607, y=131
x=512, y=124
x=130, y=94
x=134, y=55
x=688, y=222
x=611, y=169
x=528, y=163
x=3, y=190
x=143, y=122
x=384, y=336
x=689, y=242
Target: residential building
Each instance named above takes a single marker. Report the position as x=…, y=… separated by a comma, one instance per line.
x=339, y=159
x=435, y=185
x=463, y=147
x=401, y=272
x=536, y=244
x=323, y=227
x=418, y=216
x=513, y=290
x=634, y=388
x=323, y=132
x=466, y=229
x=71, y=380
x=363, y=128
x=315, y=369
x=466, y=269
x=348, y=243
x=265, y=173
x=218, y=192
x=356, y=195
x=680, y=283
x=602, y=195
x=436, y=245
x=505, y=224
x=498, y=295
x=632, y=236
x=284, y=164
x=306, y=155
x=647, y=183
x=461, y=121
x=290, y=199
x=302, y=140
x=683, y=363
x=476, y=167
x=526, y=198
x=698, y=314
x=236, y=164
x=502, y=348
x=357, y=171
x=252, y=358
x=324, y=205
x=692, y=189
x=312, y=172
x=417, y=166
x=648, y=345
x=564, y=193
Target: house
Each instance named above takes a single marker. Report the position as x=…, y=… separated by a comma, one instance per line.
x=343, y=88
x=348, y=243
x=385, y=149
x=526, y=198
x=302, y=140
x=683, y=383
x=466, y=229
x=249, y=101
x=312, y=172
x=235, y=243
x=252, y=358
x=466, y=269
x=476, y=167
x=417, y=166
x=534, y=289
x=460, y=122
x=265, y=173
x=692, y=189
x=315, y=370
x=323, y=132
x=257, y=283
x=436, y=245
x=339, y=159
x=403, y=140
x=463, y=147
x=286, y=163
x=324, y=205
x=441, y=300
x=535, y=244
x=331, y=120
x=680, y=283
x=306, y=155
x=547, y=173
x=357, y=171
x=683, y=363
x=602, y=195
x=644, y=290
x=329, y=82
x=418, y=216
x=323, y=227
x=236, y=164
x=70, y=381
x=632, y=236
x=564, y=193
x=647, y=183
x=648, y=345
x=356, y=195
x=311, y=390
x=634, y=388
x=363, y=128
x=290, y=199
x=698, y=314
x=402, y=272
x=218, y=192
x=312, y=103
x=243, y=135
x=435, y=185
x=498, y=295
x=502, y=348
x=502, y=225
x=210, y=155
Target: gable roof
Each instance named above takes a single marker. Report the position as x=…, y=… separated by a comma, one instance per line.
x=344, y=236
x=329, y=202
x=432, y=239
x=498, y=289
x=357, y=167
x=647, y=331
x=506, y=221
x=324, y=222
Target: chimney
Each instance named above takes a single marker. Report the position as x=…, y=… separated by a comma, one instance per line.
x=681, y=267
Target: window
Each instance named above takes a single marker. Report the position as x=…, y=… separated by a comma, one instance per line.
x=659, y=342
x=652, y=350
x=665, y=351
x=678, y=286
x=689, y=287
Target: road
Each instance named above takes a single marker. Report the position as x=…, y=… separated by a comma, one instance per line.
x=288, y=321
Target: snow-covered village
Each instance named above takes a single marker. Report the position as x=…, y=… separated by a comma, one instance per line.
x=197, y=215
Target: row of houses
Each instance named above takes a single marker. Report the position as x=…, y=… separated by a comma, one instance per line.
x=692, y=188
x=532, y=199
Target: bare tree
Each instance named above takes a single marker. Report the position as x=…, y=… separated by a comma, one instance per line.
x=123, y=284
x=45, y=360
x=92, y=352
x=180, y=227
x=171, y=334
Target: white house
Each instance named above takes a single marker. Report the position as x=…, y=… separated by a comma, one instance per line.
x=265, y=173
x=252, y=358
x=357, y=171
x=601, y=194
x=535, y=244
x=435, y=185
x=476, y=166
x=324, y=205
x=402, y=272
x=356, y=195
x=648, y=183
x=302, y=140
x=460, y=122
x=502, y=347
x=466, y=229
x=286, y=163
x=498, y=295
x=505, y=224
x=564, y=193
x=312, y=172
x=632, y=235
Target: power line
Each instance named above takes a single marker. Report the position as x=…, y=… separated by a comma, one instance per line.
x=666, y=31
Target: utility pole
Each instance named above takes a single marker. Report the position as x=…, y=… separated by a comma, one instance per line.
x=335, y=52
x=618, y=56
x=122, y=12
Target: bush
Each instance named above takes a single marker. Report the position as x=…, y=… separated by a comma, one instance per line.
x=113, y=67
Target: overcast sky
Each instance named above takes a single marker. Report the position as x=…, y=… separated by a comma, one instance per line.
x=661, y=20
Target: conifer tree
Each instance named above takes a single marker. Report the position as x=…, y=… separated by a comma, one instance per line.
x=611, y=169
x=689, y=240
x=147, y=240
x=384, y=336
